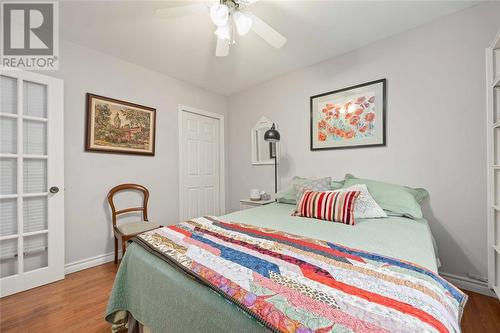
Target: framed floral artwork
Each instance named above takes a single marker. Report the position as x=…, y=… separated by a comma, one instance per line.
x=352, y=117
x=116, y=126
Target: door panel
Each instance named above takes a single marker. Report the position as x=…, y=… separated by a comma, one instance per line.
x=8, y=102
x=8, y=144
x=31, y=160
x=35, y=214
x=8, y=252
x=8, y=175
x=8, y=212
x=192, y=157
x=34, y=137
x=35, y=175
x=192, y=204
x=35, y=252
x=35, y=99
x=200, y=165
x=210, y=200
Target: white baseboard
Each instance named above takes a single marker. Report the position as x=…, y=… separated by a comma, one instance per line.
x=89, y=262
x=466, y=283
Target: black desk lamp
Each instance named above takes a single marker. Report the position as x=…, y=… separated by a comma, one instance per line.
x=273, y=136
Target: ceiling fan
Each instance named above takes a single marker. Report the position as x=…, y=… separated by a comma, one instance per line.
x=230, y=18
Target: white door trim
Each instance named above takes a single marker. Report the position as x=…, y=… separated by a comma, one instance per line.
x=222, y=151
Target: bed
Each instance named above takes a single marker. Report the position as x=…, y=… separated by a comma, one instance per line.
x=165, y=299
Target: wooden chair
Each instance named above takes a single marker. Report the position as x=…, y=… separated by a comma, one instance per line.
x=126, y=231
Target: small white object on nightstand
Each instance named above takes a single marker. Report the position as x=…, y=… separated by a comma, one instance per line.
x=247, y=203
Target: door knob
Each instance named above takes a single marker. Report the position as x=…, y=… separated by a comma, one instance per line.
x=54, y=189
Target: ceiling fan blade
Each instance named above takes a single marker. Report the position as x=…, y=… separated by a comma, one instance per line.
x=246, y=2
x=267, y=33
x=222, y=48
x=173, y=12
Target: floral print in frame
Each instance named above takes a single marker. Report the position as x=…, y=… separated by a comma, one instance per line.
x=116, y=126
x=349, y=118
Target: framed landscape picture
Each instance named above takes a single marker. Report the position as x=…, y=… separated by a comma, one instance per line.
x=119, y=127
x=352, y=117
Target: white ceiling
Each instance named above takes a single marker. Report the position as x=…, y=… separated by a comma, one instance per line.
x=184, y=47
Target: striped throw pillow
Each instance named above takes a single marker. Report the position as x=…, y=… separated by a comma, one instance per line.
x=329, y=206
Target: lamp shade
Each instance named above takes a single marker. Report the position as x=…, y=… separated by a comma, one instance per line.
x=272, y=135
x=223, y=32
x=219, y=13
x=243, y=22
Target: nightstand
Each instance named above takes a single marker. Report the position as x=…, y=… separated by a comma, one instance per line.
x=247, y=203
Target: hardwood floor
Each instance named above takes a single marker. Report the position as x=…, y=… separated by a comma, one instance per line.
x=77, y=304
x=482, y=314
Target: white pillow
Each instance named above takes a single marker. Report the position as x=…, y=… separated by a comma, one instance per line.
x=365, y=207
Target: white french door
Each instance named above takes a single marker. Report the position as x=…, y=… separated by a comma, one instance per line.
x=31, y=181
x=201, y=164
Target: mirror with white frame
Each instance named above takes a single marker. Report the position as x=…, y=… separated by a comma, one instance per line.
x=262, y=151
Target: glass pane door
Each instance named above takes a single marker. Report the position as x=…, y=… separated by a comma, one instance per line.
x=31, y=161
x=24, y=227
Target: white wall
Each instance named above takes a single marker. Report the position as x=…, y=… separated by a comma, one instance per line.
x=436, y=126
x=88, y=175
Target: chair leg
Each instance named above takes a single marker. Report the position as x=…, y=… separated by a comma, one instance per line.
x=116, y=250
x=124, y=246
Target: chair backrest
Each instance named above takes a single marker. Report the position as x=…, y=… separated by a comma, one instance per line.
x=127, y=187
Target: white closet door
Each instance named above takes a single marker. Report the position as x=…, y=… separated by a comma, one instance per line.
x=200, y=170
x=31, y=181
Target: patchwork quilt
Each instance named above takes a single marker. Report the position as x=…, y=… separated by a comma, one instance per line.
x=291, y=283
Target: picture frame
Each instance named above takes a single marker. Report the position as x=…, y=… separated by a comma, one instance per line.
x=352, y=117
x=116, y=126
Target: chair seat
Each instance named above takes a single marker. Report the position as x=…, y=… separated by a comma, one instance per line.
x=133, y=228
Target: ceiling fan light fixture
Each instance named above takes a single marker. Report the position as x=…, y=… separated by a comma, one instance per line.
x=219, y=13
x=231, y=20
x=223, y=32
x=243, y=22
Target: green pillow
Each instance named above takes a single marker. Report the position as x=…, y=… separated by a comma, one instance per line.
x=394, y=198
x=337, y=184
x=289, y=196
x=418, y=193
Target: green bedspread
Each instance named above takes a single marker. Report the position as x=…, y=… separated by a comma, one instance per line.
x=164, y=299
